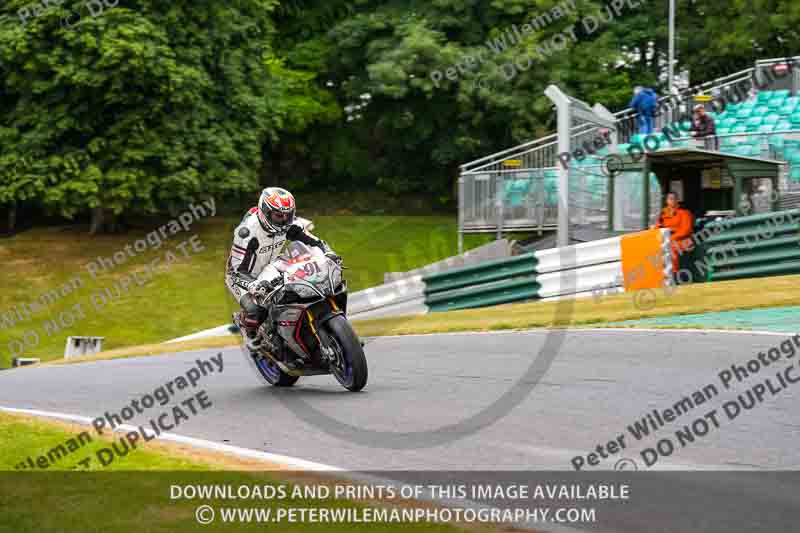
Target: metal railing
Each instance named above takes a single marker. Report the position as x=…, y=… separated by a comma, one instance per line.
x=793, y=83
x=519, y=200
x=540, y=154
x=528, y=199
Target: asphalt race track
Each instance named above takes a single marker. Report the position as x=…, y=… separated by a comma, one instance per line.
x=599, y=383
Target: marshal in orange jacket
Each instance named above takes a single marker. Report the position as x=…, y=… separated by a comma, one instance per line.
x=680, y=221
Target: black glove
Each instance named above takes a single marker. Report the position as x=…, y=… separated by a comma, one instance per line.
x=334, y=256
x=294, y=233
x=264, y=286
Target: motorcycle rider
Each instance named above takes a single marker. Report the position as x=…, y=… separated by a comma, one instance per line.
x=257, y=243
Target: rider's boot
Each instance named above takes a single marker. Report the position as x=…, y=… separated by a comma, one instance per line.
x=251, y=333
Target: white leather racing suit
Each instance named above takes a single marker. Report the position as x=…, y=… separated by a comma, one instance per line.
x=254, y=250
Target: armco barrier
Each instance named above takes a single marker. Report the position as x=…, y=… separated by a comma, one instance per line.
x=579, y=279
x=497, y=269
x=766, y=244
x=489, y=283
x=585, y=254
x=537, y=275
x=388, y=294
x=546, y=274
x=404, y=308
x=404, y=297
x=494, y=293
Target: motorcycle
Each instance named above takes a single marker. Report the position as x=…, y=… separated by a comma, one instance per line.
x=312, y=335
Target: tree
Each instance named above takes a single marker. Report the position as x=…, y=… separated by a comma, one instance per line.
x=142, y=108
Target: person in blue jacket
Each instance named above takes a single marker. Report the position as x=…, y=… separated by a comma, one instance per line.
x=644, y=103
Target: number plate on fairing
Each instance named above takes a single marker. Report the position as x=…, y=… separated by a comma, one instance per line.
x=310, y=271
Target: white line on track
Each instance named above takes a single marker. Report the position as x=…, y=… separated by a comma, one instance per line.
x=284, y=460
x=695, y=330
x=587, y=329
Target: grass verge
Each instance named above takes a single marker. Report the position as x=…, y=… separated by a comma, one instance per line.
x=134, y=492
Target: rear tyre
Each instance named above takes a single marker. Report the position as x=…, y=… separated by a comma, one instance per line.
x=352, y=373
x=273, y=374
x=267, y=371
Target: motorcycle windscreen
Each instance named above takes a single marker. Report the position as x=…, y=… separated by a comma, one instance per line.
x=303, y=263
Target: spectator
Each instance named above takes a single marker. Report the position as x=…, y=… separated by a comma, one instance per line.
x=644, y=103
x=703, y=125
x=680, y=221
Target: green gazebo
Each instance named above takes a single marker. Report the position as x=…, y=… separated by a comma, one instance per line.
x=707, y=181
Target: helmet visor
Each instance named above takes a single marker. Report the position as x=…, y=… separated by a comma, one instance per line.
x=281, y=220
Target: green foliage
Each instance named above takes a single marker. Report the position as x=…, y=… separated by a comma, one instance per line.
x=146, y=106
x=149, y=105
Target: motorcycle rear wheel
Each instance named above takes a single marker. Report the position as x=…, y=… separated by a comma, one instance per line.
x=267, y=371
x=273, y=374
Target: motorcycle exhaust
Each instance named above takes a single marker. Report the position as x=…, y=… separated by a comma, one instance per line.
x=282, y=365
x=294, y=372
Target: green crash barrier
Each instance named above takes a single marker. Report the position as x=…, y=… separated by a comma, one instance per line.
x=754, y=233
x=515, y=290
x=733, y=248
x=754, y=220
x=732, y=261
x=767, y=244
x=497, y=269
x=757, y=271
x=491, y=283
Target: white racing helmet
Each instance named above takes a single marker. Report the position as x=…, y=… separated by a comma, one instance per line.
x=276, y=209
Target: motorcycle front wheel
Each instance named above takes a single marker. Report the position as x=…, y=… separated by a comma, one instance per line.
x=351, y=372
